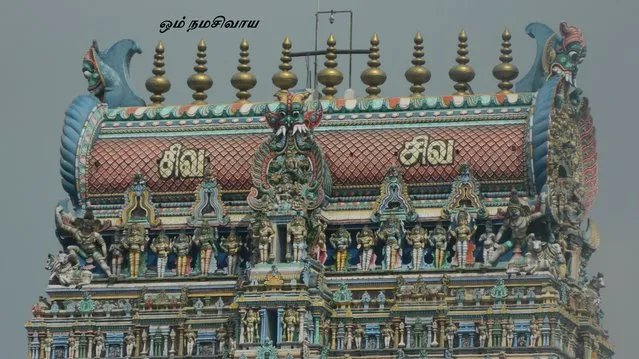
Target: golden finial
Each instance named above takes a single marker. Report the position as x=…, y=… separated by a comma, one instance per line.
x=285, y=79
x=373, y=76
x=200, y=81
x=461, y=73
x=158, y=84
x=418, y=75
x=243, y=80
x=506, y=71
x=330, y=76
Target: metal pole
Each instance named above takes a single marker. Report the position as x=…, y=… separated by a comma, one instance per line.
x=315, y=65
x=350, y=56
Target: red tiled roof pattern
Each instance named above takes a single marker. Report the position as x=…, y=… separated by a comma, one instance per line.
x=363, y=157
x=354, y=157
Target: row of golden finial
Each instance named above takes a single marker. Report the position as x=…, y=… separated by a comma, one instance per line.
x=330, y=77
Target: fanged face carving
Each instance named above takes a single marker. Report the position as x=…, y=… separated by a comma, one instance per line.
x=570, y=54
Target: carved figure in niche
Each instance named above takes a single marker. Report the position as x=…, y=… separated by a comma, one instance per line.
x=285, y=188
x=206, y=237
x=135, y=239
x=418, y=238
x=190, y=337
x=359, y=335
x=451, y=330
x=482, y=331
x=297, y=233
x=98, y=343
x=325, y=327
x=129, y=343
x=387, y=335
x=438, y=240
x=340, y=240
x=290, y=321
x=181, y=247
x=391, y=236
x=366, y=242
x=161, y=246
x=510, y=332
x=462, y=234
x=231, y=245
x=251, y=323
x=517, y=221
x=489, y=243
x=47, y=343
x=117, y=254
x=318, y=252
x=543, y=256
x=90, y=244
x=73, y=346
x=65, y=268
x=265, y=238
x=535, y=332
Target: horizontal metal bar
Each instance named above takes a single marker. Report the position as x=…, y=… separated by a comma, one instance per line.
x=323, y=52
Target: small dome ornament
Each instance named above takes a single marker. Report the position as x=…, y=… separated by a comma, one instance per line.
x=200, y=81
x=462, y=73
x=506, y=71
x=285, y=79
x=330, y=76
x=418, y=75
x=158, y=84
x=243, y=80
x=373, y=76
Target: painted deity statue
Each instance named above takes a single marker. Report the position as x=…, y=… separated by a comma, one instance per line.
x=510, y=332
x=47, y=343
x=359, y=335
x=462, y=234
x=391, y=236
x=535, y=333
x=231, y=245
x=135, y=238
x=251, y=323
x=90, y=244
x=129, y=343
x=290, y=321
x=318, y=252
x=73, y=346
x=418, y=238
x=517, y=222
x=489, y=243
x=98, y=343
x=482, y=331
x=190, y=337
x=117, y=254
x=341, y=240
x=206, y=237
x=65, y=268
x=451, y=330
x=161, y=246
x=387, y=335
x=297, y=233
x=366, y=241
x=265, y=238
x=181, y=247
x=439, y=240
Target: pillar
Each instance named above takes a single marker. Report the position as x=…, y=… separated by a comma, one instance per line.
x=242, y=314
x=333, y=335
x=301, y=313
x=136, y=351
x=90, y=345
x=280, y=311
x=263, y=327
x=316, y=332
x=180, y=340
x=442, y=333
x=408, y=335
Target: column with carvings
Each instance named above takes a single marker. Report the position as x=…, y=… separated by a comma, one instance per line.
x=408, y=335
x=333, y=336
x=180, y=351
x=301, y=313
x=316, y=334
x=89, y=345
x=442, y=333
x=280, y=313
x=136, y=333
x=263, y=323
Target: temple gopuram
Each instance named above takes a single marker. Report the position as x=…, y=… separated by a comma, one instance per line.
x=318, y=226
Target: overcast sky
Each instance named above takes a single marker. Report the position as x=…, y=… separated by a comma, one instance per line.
x=41, y=54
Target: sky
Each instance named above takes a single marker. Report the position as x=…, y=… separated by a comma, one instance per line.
x=42, y=44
